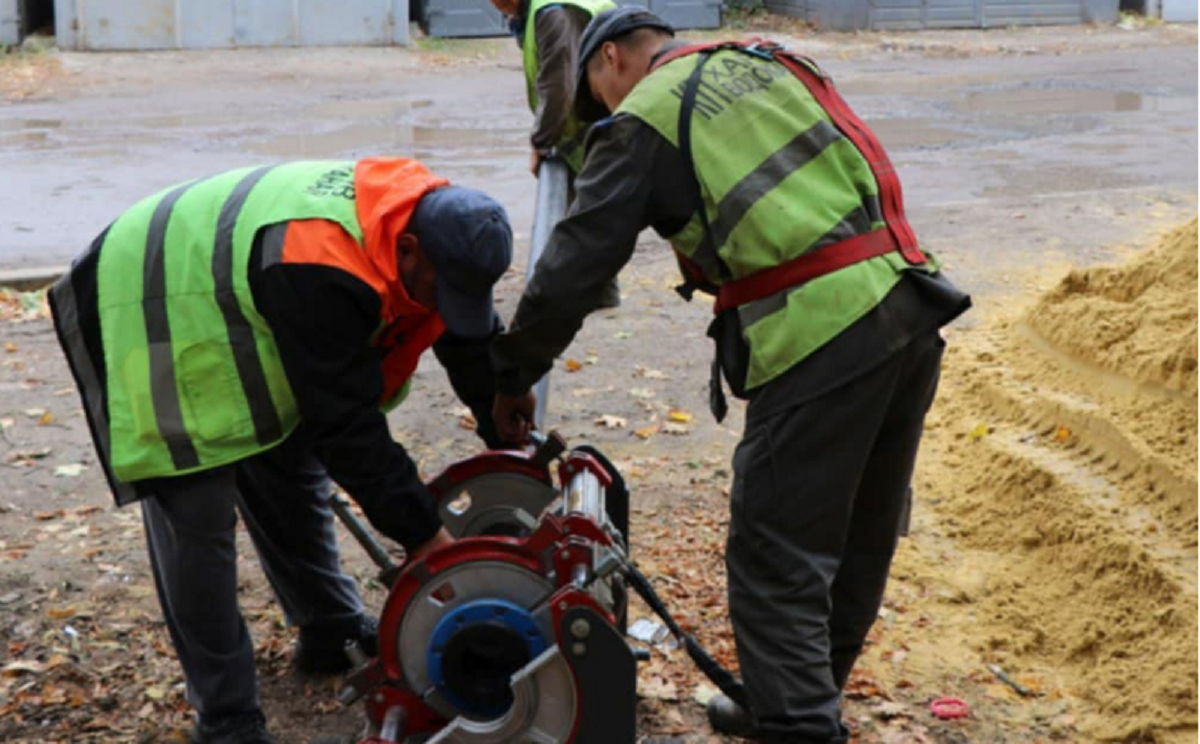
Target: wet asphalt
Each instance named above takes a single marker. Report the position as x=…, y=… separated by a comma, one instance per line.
x=1060, y=145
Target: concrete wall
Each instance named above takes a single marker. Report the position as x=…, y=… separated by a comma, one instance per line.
x=209, y=24
x=851, y=15
x=10, y=22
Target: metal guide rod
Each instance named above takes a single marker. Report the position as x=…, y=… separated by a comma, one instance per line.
x=551, y=207
x=378, y=554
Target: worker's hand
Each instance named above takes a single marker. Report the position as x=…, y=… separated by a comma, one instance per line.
x=513, y=416
x=535, y=162
x=440, y=539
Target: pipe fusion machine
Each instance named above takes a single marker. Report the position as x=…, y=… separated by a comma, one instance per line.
x=515, y=632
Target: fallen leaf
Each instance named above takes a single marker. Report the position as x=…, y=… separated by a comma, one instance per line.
x=6, y=423
x=24, y=457
x=1062, y=434
x=36, y=413
x=646, y=431
x=71, y=470
x=17, y=668
x=888, y=710
x=468, y=422
x=588, y=392
x=60, y=613
x=704, y=692
x=609, y=421
x=658, y=687
x=45, y=516
x=46, y=418
x=10, y=347
x=642, y=393
x=979, y=432
x=653, y=374
x=573, y=365
x=679, y=416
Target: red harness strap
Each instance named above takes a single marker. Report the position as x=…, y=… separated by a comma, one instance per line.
x=897, y=236
x=804, y=268
x=890, y=198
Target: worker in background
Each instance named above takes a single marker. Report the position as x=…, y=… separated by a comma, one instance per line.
x=237, y=341
x=548, y=32
x=827, y=322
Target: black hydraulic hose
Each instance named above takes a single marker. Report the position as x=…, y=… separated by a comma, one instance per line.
x=719, y=675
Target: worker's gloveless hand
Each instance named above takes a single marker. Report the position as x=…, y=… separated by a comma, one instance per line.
x=440, y=539
x=535, y=162
x=513, y=417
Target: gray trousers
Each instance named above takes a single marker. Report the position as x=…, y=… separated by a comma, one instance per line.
x=816, y=504
x=283, y=497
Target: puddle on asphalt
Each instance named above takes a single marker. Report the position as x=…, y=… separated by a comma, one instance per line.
x=360, y=138
x=1036, y=101
x=34, y=134
x=23, y=124
x=329, y=129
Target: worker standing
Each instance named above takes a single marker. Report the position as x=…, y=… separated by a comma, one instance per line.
x=548, y=32
x=780, y=203
x=237, y=341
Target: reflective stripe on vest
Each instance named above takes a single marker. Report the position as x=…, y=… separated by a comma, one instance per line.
x=267, y=427
x=194, y=379
x=792, y=178
x=794, y=184
x=570, y=145
x=163, y=390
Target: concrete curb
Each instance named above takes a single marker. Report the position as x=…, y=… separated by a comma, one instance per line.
x=30, y=279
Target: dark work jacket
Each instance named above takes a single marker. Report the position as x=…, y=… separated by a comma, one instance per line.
x=633, y=178
x=323, y=320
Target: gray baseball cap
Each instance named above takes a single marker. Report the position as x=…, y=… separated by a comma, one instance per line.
x=609, y=25
x=467, y=237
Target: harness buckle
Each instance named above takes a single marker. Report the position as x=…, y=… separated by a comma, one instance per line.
x=764, y=49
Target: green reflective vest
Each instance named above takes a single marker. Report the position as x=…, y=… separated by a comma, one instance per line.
x=777, y=180
x=194, y=379
x=570, y=146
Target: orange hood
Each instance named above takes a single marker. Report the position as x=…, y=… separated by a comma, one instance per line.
x=387, y=191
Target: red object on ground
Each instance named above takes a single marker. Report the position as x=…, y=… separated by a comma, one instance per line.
x=949, y=708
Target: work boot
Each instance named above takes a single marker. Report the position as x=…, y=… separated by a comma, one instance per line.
x=246, y=728
x=727, y=717
x=321, y=648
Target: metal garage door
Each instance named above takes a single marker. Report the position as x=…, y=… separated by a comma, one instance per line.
x=479, y=18
x=891, y=15
x=998, y=13
x=197, y=24
x=915, y=14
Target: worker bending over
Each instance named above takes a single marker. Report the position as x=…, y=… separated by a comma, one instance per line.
x=237, y=341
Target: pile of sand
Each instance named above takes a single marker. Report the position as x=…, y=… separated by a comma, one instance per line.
x=1138, y=320
x=1063, y=451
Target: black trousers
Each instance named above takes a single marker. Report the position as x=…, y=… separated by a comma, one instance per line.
x=818, y=495
x=283, y=496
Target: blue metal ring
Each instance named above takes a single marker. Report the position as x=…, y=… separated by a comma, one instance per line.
x=479, y=611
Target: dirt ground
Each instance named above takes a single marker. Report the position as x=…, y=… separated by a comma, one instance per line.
x=1054, y=537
